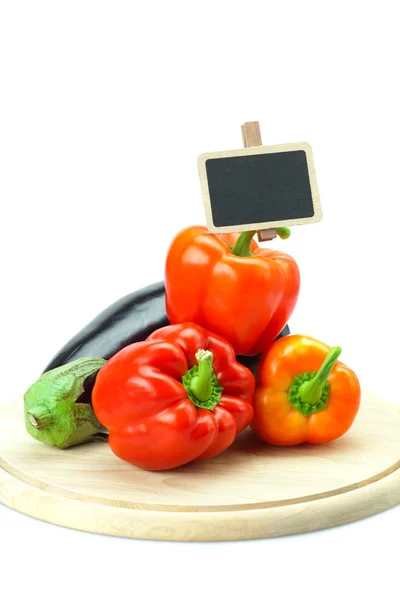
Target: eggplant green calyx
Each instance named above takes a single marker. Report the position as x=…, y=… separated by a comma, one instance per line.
x=52, y=412
x=201, y=382
x=309, y=392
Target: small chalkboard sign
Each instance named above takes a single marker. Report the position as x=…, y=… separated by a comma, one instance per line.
x=259, y=187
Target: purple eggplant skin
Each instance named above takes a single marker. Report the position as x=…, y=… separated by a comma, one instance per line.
x=128, y=320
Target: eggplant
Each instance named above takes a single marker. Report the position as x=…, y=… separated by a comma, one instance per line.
x=131, y=319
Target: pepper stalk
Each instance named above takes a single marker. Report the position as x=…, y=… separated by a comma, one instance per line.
x=243, y=243
x=309, y=391
x=201, y=382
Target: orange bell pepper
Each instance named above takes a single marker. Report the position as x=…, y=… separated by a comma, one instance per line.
x=303, y=393
x=230, y=286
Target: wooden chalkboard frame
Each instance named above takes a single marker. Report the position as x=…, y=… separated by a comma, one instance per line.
x=254, y=150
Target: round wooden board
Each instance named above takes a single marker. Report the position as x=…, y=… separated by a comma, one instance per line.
x=251, y=491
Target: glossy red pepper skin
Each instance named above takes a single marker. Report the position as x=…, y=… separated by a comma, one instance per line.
x=139, y=397
x=245, y=299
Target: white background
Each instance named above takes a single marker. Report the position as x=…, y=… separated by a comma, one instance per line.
x=104, y=108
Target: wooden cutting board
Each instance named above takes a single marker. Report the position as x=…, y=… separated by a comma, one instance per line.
x=251, y=491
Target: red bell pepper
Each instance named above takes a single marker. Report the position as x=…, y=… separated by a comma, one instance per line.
x=229, y=285
x=179, y=396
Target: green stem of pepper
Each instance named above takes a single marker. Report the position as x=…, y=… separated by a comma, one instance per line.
x=201, y=383
x=283, y=232
x=309, y=392
x=243, y=243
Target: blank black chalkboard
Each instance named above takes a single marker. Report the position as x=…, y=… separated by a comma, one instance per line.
x=259, y=188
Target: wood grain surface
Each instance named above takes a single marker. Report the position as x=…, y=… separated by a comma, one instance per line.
x=251, y=491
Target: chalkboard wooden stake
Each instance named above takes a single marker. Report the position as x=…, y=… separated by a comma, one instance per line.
x=259, y=188
x=251, y=135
